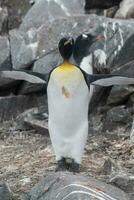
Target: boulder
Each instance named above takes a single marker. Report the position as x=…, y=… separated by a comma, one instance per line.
x=16, y=11
x=11, y=106
x=103, y=4
x=4, y=192
x=126, y=9
x=44, y=10
x=124, y=182
x=5, y=61
x=40, y=46
x=3, y=20
x=23, y=48
x=36, y=118
x=118, y=116
x=119, y=94
x=72, y=187
x=118, y=36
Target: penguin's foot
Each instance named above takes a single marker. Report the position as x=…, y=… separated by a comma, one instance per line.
x=61, y=165
x=72, y=166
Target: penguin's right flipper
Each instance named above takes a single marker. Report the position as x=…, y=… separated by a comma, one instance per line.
x=32, y=77
x=107, y=80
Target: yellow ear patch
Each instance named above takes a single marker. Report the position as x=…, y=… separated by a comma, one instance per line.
x=65, y=92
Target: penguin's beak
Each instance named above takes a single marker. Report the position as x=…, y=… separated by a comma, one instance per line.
x=69, y=41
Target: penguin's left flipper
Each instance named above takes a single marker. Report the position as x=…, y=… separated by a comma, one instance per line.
x=32, y=77
x=108, y=80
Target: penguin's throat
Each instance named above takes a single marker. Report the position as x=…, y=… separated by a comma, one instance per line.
x=67, y=66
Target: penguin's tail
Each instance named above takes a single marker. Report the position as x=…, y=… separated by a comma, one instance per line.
x=32, y=77
x=107, y=80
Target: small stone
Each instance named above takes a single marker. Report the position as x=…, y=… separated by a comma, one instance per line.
x=106, y=168
x=25, y=181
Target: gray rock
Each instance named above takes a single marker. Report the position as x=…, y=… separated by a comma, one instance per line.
x=119, y=94
x=5, y=60
x=118, y=37
x=36, y=118
x=11, y=106
x=44, y=10
x=28, y=88
x=3, y=20
x=72, y=187
x=23, y=48
x=47, y=62
x=4, y=192
x=119, y=116
x=17, y=10
x=124, y=182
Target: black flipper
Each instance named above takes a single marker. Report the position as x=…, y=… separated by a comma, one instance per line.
x=107, y=80
x=32, y=77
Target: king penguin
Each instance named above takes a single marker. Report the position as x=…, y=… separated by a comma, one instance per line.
x=68, y=99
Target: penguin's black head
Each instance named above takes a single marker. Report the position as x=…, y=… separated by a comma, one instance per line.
x=83, y=44
x=66, y=46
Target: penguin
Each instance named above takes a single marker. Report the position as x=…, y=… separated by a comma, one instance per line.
x=68, y=99
x=68, y=93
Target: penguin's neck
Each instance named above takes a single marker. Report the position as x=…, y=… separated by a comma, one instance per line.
x=66, y=65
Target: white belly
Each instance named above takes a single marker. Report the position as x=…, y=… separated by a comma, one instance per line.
x=68, y=100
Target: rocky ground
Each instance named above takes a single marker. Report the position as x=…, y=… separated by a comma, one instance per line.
x=26, y=156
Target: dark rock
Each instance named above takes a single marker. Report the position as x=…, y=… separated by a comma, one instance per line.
x=131, y=100
x=92, y=4
x=119, y=94
x=43, y=11
x=28, y=88
x=5, y=62
x=123, y=62
x=72, y=187
x=124, y=182
x=11, y=106
x=3, y=20
x=4, y=192
x=34, y=118
x=118, y=116
x=16, y=10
